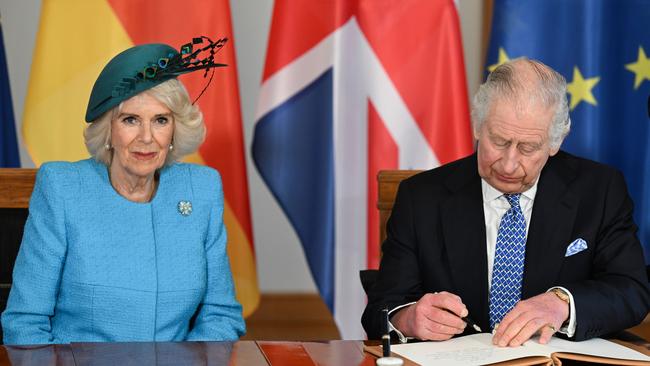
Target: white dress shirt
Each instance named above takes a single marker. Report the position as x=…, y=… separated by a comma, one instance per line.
x=495, y=205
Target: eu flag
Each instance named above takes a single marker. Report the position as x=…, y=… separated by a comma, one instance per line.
x=9, y=157
x=602, y=48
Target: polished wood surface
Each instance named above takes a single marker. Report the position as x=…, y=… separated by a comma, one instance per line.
x=340, y=353
x=166, y=353
x=249, y=353
x=16, y=185
x=58, y=354
x=642, y=330
x=288, y=354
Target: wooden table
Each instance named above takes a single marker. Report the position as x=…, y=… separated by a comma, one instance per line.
x=247, y=353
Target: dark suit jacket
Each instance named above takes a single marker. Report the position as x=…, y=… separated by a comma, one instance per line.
x=436, y=242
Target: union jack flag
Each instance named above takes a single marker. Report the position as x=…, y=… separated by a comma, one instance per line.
x=349, y=88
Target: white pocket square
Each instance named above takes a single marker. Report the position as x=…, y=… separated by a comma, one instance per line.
x=575, y=247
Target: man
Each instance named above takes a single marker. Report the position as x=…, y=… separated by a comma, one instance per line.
x=522, y=237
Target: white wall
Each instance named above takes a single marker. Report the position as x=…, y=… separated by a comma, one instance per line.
x=19, y=25
x=280, y=262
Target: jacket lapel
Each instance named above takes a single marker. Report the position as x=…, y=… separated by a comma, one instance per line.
x=464, y=236
x=554, y=212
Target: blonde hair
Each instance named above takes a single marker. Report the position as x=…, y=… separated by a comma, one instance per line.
x=189, y=128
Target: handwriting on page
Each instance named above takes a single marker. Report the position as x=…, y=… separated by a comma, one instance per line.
x=470, y=350
x=475, y=355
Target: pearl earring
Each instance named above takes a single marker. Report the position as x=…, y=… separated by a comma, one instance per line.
x=107, y=146
x=171, y=147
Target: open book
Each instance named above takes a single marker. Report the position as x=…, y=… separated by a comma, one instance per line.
x=477, y=349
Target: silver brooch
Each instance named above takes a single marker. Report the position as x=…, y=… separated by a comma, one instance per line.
x=185, y=208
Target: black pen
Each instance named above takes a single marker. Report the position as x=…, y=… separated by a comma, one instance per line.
x=385, y=338
x=471, y=323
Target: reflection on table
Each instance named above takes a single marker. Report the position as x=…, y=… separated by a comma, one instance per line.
x=247, y=353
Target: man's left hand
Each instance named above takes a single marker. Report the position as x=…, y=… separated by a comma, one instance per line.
x=543, y=313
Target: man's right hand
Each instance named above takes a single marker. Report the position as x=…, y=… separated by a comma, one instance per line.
x=435, y=317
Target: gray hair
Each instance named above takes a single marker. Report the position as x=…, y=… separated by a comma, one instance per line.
x=189, y=128
x=511, y=80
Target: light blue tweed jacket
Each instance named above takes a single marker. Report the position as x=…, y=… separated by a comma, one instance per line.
x=94, y=266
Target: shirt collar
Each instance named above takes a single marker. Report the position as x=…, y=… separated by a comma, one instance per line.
x=490, y=193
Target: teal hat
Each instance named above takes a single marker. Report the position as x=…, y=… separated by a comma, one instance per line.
x=142, y=67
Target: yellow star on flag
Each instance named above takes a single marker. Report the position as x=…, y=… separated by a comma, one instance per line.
x=580, y=89
x=640, y=68
x=503, y=58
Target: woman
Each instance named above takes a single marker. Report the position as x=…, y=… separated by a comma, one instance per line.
x=128, y=245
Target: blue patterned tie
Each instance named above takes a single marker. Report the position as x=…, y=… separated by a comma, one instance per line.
x=508, y=267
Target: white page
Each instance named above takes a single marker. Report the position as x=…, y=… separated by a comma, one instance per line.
x=597, y=347
x=478, y=349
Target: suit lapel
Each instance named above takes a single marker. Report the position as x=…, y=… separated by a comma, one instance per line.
x=550, y=229
x=464, y=235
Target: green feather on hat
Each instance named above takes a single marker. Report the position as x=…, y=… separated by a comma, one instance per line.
x=142, y=67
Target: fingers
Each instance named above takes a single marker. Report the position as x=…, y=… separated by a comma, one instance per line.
x=433, y=317
x=527, y=318
x=514, y=338
x=508, y=328
x=433, y=313
x=547, y=333
x=438, y=332
x=447, y=301
x=445, y=318
x=519, y=331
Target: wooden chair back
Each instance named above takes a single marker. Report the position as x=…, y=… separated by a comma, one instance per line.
x=388, y=181
x=16, y=185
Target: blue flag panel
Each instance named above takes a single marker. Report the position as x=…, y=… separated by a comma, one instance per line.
x=293, y=150
x=9, y=157
x=601, y=47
